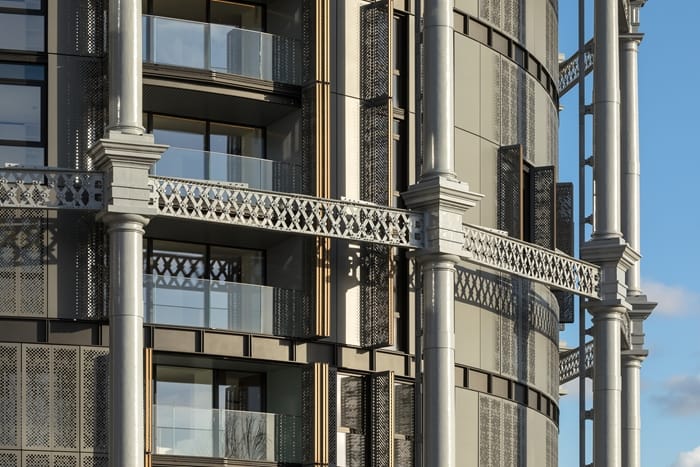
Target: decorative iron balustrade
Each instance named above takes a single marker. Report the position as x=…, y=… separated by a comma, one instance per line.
x=530, y=261
x=570, y=363
x=53, y=188
x=569, y=70
x=215, y=202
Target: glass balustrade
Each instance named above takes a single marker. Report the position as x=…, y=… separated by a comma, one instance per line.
x=233, y=434
x=182, y=301
x=220, y=48
x=260, y=174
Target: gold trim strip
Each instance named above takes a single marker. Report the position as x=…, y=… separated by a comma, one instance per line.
x=148, y=402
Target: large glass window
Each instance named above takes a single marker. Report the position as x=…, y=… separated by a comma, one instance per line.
x=22, y=25
x=243, y=15
x=22, y=93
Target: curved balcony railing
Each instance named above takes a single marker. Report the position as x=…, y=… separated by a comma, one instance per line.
x=231, y=434
x=220, y=48
x=232, y=306
x=259, y=174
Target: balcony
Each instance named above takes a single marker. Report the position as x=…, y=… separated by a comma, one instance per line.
x=214, y=304
x=220, y=48
x=232, y=434
x=259, y=174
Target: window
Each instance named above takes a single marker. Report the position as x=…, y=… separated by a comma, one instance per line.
x=525, y=198
x=22, y=25
x=22, y=116
x=242, y=15
x=205, y=150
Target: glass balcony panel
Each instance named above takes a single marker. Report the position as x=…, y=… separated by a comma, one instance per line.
x=206, y=303
x=260, y=174
x=221, y=48
x=232, y=434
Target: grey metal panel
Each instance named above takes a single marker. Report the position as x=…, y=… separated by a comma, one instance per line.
x=381, y=388
x=501, y=424
x=509, y=190
x=36, y=394
x=64, y=398
x=22, y=262
x=10, y=459
x=94, y=394
x=404, y=424
x=374, y=296
x=10, y=400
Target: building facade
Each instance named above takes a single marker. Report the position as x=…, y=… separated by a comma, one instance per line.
x=301, y=232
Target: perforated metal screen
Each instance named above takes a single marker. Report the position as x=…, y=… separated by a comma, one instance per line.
x=542, y=203
x=509, y=190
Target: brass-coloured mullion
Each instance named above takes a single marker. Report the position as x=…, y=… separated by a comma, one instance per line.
x=320, y=414
x=148, y=402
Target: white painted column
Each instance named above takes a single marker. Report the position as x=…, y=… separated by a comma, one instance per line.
x=126, y=339
x=631, y=413
x=125, y=67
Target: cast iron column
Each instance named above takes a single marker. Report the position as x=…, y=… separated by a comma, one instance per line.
x=125, y=155
x=443, y=199
x=606, y=247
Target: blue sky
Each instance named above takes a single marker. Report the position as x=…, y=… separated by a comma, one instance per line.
x=669, y=123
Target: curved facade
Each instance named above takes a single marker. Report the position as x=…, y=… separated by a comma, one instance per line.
x=245, y=253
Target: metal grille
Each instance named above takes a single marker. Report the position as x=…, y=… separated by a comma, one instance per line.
x=375, y=156
x=308, y=43
x=10, y=459
x=500, y=426
x=89, y=460
x=569, y=69
x=376, y=316
x=569, y=363
x=45, y=459
x=50, y=394
x=552, y=43
x=565, y=243
x=375, y=50
x=217, y=202
x=382, y=432
x=542, y=203
x=530, y=261
x=332, y=415
x=36, y=396
x=509, y=190
x=404, y=429
x=308, y=139
x=94, y=393
x=353, y=419
x=509, y=108
x=50, y=188
x=10, y=392
x=81, y=108
x=64, y=394
x=22, y=262
x=307, y=413
x=83, y=28
x=291, y=312
x=505, y=15
x=91, y=268
x=552, y=445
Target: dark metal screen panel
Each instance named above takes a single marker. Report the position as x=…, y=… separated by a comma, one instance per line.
x=353, y=419
x=565, y=243
x=509, y=190
x=404, y=424
x=376, y=311
x=381, y=388
x=94, y=393
x=10, y=397
x=376, y=69
x=10, y=459
x=542, y=203
x=91, y=269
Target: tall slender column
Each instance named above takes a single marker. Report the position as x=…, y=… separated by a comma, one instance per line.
x=438, y=89
x=126, y=339
x=606, y=247
x=631, y=414
x=629, y=148
x=443, y=199
x=125, y=64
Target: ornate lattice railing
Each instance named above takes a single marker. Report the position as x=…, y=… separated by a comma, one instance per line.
x=290, y=213
x=570, y=363
x=50, y=188
x=530, y=261
x=569, y=69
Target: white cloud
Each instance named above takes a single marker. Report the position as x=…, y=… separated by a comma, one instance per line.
x=681, y=396
x=673, y=299
x=688, y=459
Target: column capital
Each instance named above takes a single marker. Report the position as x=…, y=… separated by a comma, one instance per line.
x=443, y=201
x=615, y=257
x=635, y=37
x=126, y=161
